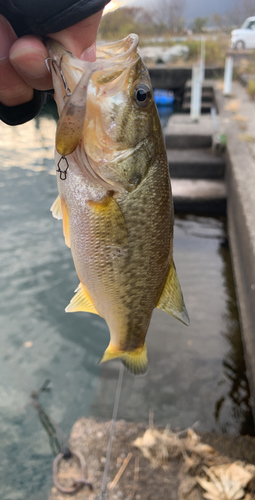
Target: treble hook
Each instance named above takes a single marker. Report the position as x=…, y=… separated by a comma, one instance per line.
x=54, y=63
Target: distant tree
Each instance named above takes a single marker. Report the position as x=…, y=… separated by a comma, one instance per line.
x=125, y=20
x=219, y=21
x=170, y=13
x=240, y=10
x=199, y=23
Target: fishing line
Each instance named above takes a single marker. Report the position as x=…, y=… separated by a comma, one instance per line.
x=103, y=495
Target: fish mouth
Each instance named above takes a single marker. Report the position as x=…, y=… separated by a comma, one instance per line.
x=122, y=51
x=109, y=57
x=78, y=81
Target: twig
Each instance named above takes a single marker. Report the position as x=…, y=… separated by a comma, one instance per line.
x=151, y=418
x=120, y=472
x=137, y=469
x=132, y=494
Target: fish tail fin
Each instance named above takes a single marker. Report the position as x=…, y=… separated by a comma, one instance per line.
x=135, y=361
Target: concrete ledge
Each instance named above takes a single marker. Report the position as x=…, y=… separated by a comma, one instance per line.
x=195, y=164
x=182, y=133
x=203, y=197
x=240, y=181
x=164, y=77
x=240, y=185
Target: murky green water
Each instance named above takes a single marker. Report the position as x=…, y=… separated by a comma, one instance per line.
x=196, y=374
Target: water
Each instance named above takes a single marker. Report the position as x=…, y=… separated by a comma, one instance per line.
x=195, y=373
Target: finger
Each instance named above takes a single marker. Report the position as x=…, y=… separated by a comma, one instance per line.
x=27, y=56
x=80, y=39
x=13, y=89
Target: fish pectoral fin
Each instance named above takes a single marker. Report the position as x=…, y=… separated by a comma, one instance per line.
x=135, y=361
x=171, y=300
x=81, y=302
x=110, y=220
x=59, y=211
x=56, y=208
x=66, y=227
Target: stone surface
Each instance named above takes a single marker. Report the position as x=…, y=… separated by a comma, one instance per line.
x=238, y=116
x=182, y=132
x=205, y=197
x=139, y=480
x=195, y=164
x=174, y=78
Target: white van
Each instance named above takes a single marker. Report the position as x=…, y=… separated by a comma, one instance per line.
x=244, y=37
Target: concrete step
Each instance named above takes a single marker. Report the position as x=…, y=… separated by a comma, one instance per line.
x=203, y=197
x=182, y=133
x=205, y=106
x=208, y=85
x=207, y=95
x=195, y=164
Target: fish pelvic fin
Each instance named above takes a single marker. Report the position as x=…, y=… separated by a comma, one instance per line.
x=56, y=208
x=135, y=361
x=81, y=301
x=171, y=300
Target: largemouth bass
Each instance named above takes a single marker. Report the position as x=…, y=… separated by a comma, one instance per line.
x=115, y=194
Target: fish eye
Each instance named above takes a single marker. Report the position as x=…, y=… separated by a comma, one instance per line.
x=142, y=95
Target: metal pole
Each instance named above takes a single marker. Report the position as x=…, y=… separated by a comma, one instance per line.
x=202, y=58
x=196, y=94
x=228, y=76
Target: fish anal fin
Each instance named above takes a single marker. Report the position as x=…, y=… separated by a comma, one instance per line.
x=135, y=361
x=66, y=227
x=171, y=300
x=56, y=208
x=81, y=301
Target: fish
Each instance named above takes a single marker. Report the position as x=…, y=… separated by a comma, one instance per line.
x=115, y=195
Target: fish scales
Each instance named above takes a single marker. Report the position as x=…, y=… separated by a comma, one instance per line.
x=115, y=196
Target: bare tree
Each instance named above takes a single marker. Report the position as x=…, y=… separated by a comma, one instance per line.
x=240, y=10
x=170, y=13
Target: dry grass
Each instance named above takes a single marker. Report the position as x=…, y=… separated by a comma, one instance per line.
x=251, y=88
x=233, y=105
x=242, y=121
x=247, y=137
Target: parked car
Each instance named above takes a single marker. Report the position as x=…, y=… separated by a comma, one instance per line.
x=244, y=37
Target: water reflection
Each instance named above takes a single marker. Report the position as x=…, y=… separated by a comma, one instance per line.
x=233, y=363
x=192, y=370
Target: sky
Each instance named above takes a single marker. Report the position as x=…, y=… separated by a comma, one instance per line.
x=194, y=8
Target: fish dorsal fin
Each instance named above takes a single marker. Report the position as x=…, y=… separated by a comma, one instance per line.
x=81, y=301
x=56, y=208
x=171, y=300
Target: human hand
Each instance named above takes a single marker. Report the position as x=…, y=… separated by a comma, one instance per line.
x=22, y=60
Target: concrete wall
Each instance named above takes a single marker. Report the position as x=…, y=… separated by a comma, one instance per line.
x=240, y=181
x=240, y=186
x=163, y=77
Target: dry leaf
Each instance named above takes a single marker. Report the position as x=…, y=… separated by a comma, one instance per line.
x=227, y=481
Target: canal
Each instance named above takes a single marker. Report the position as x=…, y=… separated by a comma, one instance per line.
x=196, y=374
